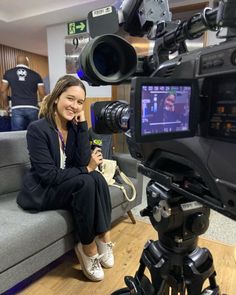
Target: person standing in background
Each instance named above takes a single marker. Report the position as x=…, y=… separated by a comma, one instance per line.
x=25, y=85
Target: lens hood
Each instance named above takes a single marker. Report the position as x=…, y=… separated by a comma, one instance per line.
x=106, y=60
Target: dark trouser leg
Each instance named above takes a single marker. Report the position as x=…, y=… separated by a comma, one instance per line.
x=87, y=197
x=92, y=210
x=18, y=121
x=103, y=204
x=31, y=115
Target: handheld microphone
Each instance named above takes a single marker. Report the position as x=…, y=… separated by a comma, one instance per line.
x=96, y=143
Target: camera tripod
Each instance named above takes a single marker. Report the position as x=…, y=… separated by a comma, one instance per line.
x=176, y=264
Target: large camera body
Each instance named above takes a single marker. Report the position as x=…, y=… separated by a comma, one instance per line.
x=191, y=150
x=203, y=166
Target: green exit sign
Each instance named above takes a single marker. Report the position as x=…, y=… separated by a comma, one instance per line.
x=77, y=27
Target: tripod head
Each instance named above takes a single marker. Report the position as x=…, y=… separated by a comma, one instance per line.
x=177, y=219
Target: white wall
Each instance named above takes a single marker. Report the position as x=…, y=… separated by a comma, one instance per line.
x=56, y=52
x=57, y=64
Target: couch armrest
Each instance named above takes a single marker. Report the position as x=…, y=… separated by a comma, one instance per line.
x=129, y=166
x=126, y=163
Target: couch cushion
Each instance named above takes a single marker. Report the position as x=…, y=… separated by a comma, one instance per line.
x=11, y=177
x=14, y=160
x=23, y=234
x=126, y=163
x=13, y=148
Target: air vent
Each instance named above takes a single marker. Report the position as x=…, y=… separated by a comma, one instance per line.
x=168, y=71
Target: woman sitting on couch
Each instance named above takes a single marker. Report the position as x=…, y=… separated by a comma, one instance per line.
x=63, y=175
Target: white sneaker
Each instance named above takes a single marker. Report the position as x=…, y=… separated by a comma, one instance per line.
x=105, y=250
x=91, y=266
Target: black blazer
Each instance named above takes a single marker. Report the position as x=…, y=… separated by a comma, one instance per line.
x=44, y=151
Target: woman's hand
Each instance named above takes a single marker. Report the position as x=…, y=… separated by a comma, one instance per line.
x=96, y=159
x=79, y=117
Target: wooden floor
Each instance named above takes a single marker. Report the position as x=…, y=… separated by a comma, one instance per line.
x=67, y=278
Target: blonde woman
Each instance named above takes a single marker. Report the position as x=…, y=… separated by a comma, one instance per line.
x=63, y=175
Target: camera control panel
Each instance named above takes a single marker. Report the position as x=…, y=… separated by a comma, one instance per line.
x=218, y=59
x=217, y=66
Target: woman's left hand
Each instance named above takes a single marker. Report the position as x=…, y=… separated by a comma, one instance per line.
x=95, y=160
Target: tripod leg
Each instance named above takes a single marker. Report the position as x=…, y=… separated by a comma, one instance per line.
x=161, y=287
x=140, y=284
x=214, y=288
x=200, y=267
x=195, y=288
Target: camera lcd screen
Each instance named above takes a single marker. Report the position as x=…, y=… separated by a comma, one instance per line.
x=165, y=109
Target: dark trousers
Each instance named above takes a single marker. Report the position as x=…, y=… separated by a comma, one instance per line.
x=21, y=117
x=87, y=197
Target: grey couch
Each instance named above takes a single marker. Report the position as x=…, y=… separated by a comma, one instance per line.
x=31, y=241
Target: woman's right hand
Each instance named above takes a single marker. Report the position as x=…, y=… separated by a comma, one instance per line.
x=79, y=117
x=96, y=159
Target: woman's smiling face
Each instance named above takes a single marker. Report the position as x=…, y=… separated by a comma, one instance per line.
x=70, y=103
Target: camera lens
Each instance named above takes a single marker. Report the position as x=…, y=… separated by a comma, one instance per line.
x=116, y=116
x=106, y=60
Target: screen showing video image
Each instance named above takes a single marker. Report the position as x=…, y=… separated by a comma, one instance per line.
x=165, y=109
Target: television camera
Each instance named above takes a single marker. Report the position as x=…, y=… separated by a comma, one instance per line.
x=181, y=125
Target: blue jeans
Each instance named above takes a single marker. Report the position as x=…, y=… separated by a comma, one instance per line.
x=22, y=117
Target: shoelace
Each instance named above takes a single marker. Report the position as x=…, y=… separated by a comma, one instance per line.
x=96, y=262
x=110, y=245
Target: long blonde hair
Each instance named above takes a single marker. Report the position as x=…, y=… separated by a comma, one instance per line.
x=48, y=106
